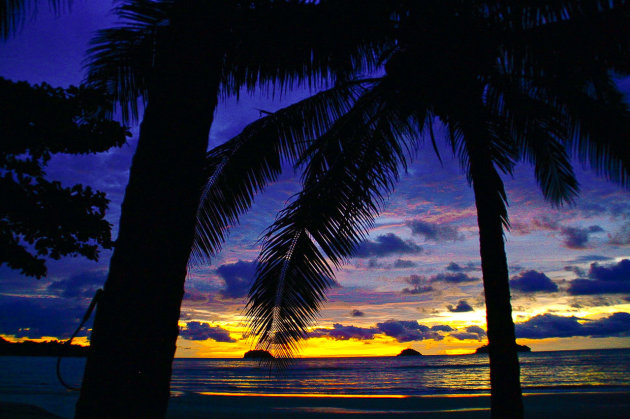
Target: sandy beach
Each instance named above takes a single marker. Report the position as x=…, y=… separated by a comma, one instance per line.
x=191, y=406
x=573, y=405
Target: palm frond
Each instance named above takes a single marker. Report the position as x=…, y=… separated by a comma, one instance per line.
x=121, y=59
x=13, y=13
x=601, y=131
x=538, y=129
x=348, y=173
x=244, y=165
x=305, y=44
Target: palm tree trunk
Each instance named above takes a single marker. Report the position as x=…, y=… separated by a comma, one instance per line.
x=128, y=369
x=506, y=397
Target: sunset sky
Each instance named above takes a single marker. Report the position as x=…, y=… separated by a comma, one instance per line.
x=415, y=282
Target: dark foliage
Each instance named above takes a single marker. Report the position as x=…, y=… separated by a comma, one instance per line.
x=48, y=348
x=39, y=217
x=409, y=352
x=519, y=348
x=257, y=354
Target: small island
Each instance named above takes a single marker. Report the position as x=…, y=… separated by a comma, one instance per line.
x=519, y=348
x=258, y=354
x=49, y=348
x=409, y=352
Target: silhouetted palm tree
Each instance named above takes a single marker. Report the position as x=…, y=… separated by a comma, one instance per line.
x=180, y=57
x=510, y=82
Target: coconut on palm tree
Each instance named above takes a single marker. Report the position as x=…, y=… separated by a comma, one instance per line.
x=510, y=83
x=180, y=57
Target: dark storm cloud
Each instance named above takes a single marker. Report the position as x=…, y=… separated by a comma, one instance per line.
x=454, y=267
x=84, y=284
x=612, y=279
x=419, y=285
x=532, y=281
x=357, y=313
x=38, y=317
x=237, y=277
x=341, y=332
x=387, y=245
x=407, y=331
x=577, y=237
x=433, y=231
x=453, y=278
x=621, y=237
x=551, y=326
x=403, y=263
x=203, y=331
x=461, y=307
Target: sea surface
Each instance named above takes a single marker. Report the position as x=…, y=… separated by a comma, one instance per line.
x=33, y=379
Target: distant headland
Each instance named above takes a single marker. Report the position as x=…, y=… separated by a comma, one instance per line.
x=258, y=354
x=31, y=348
x=519, y=348
x=409, y=352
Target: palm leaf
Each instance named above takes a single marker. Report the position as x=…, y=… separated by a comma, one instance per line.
x=121, y=59
x=305, y=44
x=348, y=173
x=13, y=13
x=243, y=166
x=538, y=129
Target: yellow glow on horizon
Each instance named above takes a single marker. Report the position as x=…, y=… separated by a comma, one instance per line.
x=82, y=340
x=458, y=351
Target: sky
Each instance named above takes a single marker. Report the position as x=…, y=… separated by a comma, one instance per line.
x=415, y=283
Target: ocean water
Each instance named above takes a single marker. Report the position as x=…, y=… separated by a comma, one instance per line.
x=602, y=370
x=33, y=380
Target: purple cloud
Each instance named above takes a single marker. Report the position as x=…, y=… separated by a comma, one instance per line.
x=357, y=313
x=471, y=332
x=83, y=284
x=578, y=238
x=545, y=223
x=407, y=331
x=454, y=267
x=341, y=332
x=38, y=317
x=612, y=279
x=551, y=326
x=433, y=231
x=419, y=285
x=453, y=278
x=403, y=263
x=387, y=245
x=532, y=281
x=237, y=277
x=621, y=237
x=203, y=331
x=461, y=307
x=442, y=328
